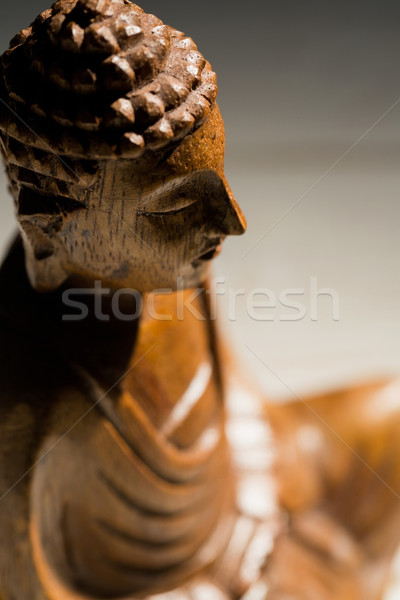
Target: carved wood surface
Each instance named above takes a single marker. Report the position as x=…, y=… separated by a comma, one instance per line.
x=135, y=459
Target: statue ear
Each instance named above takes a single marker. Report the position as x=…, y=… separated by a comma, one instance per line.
x=42, y=218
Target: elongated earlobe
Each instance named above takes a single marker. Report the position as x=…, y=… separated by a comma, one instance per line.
x=44, y=259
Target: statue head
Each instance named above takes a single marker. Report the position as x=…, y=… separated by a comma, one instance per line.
x=114, y=147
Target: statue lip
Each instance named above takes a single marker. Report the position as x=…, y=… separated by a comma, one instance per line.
x=209, y=254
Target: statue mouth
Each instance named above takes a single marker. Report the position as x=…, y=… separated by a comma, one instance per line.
x=208, y=255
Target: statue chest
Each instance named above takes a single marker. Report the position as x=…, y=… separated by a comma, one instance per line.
x=135, y=485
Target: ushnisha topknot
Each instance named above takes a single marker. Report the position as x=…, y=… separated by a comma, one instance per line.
x=103, y=79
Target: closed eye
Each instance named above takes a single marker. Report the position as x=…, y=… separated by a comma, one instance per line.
x=166, y=206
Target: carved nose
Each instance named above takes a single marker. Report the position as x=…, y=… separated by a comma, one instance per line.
x=235, y=221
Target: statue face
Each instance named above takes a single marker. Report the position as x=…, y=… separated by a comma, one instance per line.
x=133, y=224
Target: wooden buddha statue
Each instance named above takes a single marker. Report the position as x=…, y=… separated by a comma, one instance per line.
x=134, y=460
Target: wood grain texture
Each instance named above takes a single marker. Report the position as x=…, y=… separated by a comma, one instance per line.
x=135, y=459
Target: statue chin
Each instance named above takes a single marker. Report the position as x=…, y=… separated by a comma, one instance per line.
x=47, y=275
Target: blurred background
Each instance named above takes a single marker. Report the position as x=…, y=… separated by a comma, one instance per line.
x=310, y=93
